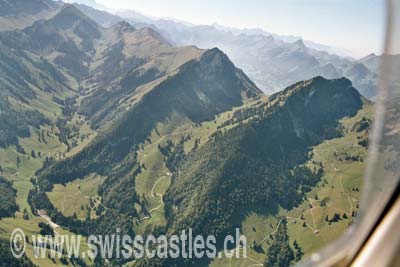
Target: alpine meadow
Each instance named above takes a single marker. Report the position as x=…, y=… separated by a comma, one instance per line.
x=117, y=120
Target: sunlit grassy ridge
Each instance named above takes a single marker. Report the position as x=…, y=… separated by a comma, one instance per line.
x=336, y=190
x=136, y=134
x=339, y=190
x=20, y=167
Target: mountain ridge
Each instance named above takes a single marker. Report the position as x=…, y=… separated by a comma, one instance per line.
x=214, y=186
x=19, y=14
x=16, y=7
x=251, y=50
x=115, y=127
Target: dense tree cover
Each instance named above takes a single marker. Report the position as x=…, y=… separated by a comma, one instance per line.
x=118, y=190
x=68, y=110
x=240, y=115
x=21, y=72
x=100, y=107
x=298, y=251
x=15, y=124
x=280, y=254
x=176, y=156
x=114, y=153
x=222, y=89
x=107, y=222
x=362, y=125
x=258, y=166
x=166, y=150
x=45, y=229
x=8, y=260
x=8, y=194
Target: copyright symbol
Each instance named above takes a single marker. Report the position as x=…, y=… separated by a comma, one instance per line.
x=17, y=243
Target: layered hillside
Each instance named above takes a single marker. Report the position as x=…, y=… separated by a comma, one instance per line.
x=132, y=63
x=106, y=128
x=26, y=80
x=18, y=14
x=226, y=164
x=273, y=62
x=66, y=39
x=198, y=91
x=275, y=139
x=17, y=7
x=66, y=71
x=260, y=165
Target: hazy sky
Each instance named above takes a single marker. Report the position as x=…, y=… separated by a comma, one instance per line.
x=355, y=25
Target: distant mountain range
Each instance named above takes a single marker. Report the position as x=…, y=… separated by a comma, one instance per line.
x=272, y=61
x=91, y=3
x=107, y=124
x=19, y=14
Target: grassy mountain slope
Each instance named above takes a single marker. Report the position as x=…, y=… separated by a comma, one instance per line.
x=202, y=143
x=311, y=223
x=42, y=89
x=172, y=128
x=215, y=186
x=111, y=66
x=22, y=72
x=224, y=87
x=264, y=148
x=29, y=84
x=130, y=60
x=151, y=74
x=273, y=62
x=18, y=14
x=67, y=39
x=16, y=7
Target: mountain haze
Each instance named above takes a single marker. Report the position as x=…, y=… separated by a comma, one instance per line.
x=18, y=14
x=272, y=61
x=155, y=126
